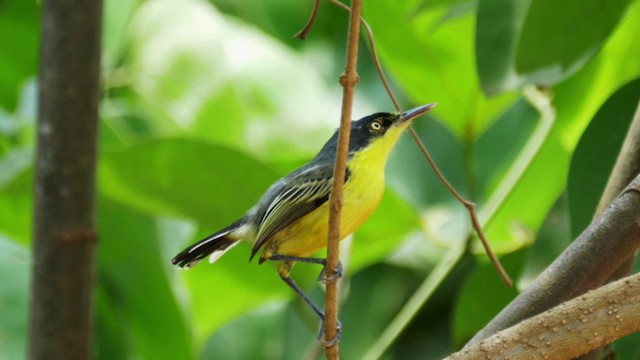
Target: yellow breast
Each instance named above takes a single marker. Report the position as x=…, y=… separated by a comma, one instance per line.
x=362, y=194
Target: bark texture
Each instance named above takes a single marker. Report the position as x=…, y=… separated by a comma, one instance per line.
x=64, y=235
x=591, y=259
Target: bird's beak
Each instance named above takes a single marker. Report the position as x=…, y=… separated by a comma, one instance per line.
x=415, y=112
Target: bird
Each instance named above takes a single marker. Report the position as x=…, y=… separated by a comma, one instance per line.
x=289, y=223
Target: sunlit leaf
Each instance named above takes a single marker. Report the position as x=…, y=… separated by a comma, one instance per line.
x=185, y=178
x=576, y=101
x=196, y=68
x=565, y=34
x=431, y=55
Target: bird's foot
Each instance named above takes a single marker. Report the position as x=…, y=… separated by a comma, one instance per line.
x=335, y=340
x=335, y=276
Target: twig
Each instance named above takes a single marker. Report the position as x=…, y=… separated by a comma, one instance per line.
x=374, y=55
x=573, y=328
x=470, y=206
x=302, y=34
x=348, y=80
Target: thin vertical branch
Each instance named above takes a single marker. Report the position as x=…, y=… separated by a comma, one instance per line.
x=64, y=237
x=470, y=206
x=348, y=80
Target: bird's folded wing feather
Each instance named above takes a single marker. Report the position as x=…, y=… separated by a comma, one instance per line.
x=303, y=193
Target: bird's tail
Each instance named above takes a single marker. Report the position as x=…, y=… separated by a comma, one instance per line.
x=215, y=245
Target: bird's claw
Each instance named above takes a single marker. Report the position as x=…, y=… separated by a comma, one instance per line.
x=335, y=276
x=335, y=340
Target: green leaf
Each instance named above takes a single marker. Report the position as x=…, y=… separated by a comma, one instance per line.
x=383, y=232
x=117, y=15
x=19, y=30
x=497, y=149
x=552, y=239
x=110, y=340
x=410, y=176
x=499, y=23
x=482, y=296
x=16, y=185
x=595, y=155
x=421, y=54
x=133, y=283
x=375, y=296
x=565, y=34
x=229, y=288
x=191, y=67
x=185, y=178
x=510, y=33
x=273, y=331
x=576, y=101
x=15, y=265
x=628, y=347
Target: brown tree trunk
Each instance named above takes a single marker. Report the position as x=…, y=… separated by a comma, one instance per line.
x=64, y=237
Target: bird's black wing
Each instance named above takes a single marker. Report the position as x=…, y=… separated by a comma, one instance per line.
x=301, y=193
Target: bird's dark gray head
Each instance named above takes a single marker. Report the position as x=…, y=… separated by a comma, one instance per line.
x=367, y=129
x=370, y=128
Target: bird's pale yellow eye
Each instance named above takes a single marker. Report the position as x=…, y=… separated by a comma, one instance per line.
x=376, y=126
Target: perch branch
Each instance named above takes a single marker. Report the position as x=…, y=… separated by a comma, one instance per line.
x=568, y=330
x=348, y=80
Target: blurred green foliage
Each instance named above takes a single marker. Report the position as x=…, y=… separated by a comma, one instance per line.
x=206, y=103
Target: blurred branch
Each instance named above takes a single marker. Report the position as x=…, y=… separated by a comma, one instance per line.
x=348, y=80
x=626, y=167
x=573, y=328
x=61, y=314
x=587, y=263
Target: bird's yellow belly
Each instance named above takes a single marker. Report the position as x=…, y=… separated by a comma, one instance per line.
x=309, y=235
